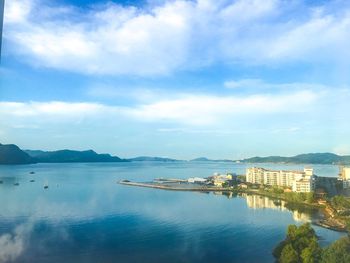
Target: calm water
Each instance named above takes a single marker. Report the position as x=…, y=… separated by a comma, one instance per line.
x=85, y=216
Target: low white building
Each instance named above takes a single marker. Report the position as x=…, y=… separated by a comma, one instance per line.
x=196, y=180
x=220, y=179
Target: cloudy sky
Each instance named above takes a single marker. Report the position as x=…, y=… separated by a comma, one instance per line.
x=215, y=78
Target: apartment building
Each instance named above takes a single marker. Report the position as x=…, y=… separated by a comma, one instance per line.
x=300, y=181
x=344, y=175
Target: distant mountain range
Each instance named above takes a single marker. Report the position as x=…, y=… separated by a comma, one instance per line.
x=309, y=158
x=70, y=156
x=205, y=159
x=12, y=154
x=152, y=159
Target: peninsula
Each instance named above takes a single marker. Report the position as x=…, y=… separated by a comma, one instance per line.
x=297, y=188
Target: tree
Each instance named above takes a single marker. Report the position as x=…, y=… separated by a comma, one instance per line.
x=310, y=197
x=311, y=254
x=292, y=231
x=338, y=252
x=300, y=245
x=289, y=255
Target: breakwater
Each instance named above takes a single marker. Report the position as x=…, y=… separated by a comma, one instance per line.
x=177, y=187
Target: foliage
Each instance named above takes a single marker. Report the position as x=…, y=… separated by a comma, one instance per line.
x=225, y=184
x=277, y=190
x=241, y=178
x=338, y=252
x=300, y=197
x=289, y=255
x=301, y=245
x=340, y=202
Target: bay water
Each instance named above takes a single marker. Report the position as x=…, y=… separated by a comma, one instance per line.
x=85, y=216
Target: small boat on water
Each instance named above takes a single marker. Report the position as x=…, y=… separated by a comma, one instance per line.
x=46, y=185
x=32, y=181
x=32, y=172
x=16, y=183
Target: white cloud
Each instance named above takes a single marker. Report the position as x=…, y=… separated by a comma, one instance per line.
x=244, y=83
x=52, y=108
x=259, y=85
x=17, y=11
x=174, y=35
x=203, y=110
x=189, y=109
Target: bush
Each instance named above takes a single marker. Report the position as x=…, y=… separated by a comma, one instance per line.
x=340, y=202
x=338, y=252
x=301, y=245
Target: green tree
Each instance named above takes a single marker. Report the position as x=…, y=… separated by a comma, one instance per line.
x=300, y=245
x=310, y=197
x=340, y=202
x=311, y=254
x=292, y=232
x=289, y=255
x=338, y=252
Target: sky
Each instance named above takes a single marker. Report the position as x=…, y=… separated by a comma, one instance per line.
x=181, y=79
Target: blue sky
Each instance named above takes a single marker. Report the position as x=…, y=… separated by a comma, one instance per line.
x=222, y=79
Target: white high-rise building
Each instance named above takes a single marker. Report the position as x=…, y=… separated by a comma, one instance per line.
x=300, y=181
x=344, y=175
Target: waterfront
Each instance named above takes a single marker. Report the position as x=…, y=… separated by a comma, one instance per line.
x=85, y=216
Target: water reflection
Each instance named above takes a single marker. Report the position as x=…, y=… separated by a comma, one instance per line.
x=86, y=217
x=259, y=202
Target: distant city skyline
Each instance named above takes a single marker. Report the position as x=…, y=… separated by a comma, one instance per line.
x=179, y=79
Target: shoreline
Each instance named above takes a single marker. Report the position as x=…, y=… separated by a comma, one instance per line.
x=329, y=222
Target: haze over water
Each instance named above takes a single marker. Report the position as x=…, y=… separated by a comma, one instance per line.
x=85, y=216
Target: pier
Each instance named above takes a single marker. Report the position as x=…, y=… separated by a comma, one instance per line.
x=175, y=187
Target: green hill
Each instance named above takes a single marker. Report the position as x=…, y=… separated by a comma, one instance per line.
x=152, y=159
x=309, y=158
x=71, y=156
x=12, y=154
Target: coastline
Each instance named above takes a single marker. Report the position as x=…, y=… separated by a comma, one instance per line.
x=330, y=221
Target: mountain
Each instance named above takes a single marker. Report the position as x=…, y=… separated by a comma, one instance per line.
x=309, y=158
x=70, y=156
x=12, y=154
x=34, y=153
x=200, y=159
x=152, y=159
x=205, y=159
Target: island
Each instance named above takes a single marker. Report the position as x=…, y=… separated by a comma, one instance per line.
x=11, y=154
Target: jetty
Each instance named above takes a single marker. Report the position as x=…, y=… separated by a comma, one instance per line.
x=176, y=187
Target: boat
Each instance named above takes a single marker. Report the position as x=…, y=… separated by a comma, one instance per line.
x=46, y=185
x=32, y=172
x=32, y=181
x=16, y=184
